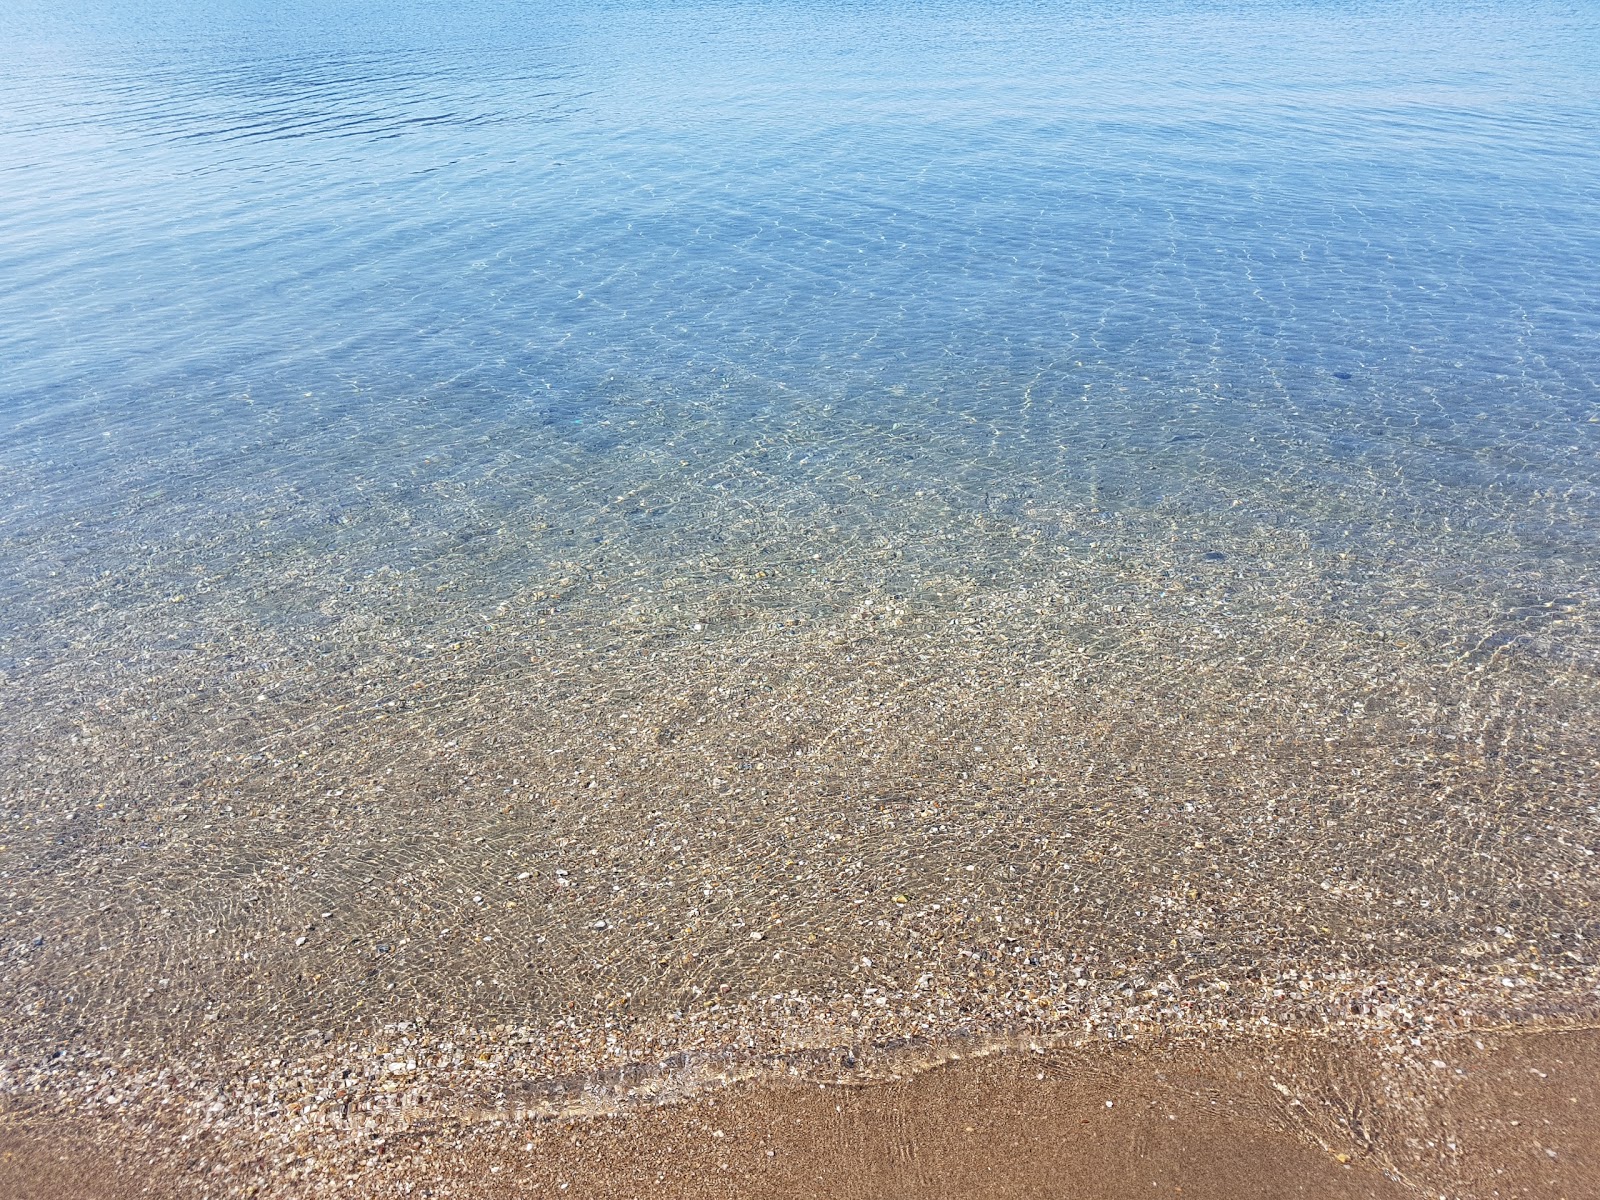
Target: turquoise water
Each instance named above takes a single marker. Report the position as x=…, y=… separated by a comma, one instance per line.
x=619, y=521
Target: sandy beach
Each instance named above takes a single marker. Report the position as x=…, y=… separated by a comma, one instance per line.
x=1500, y=1116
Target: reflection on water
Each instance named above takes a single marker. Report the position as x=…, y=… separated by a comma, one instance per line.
x=556, y=551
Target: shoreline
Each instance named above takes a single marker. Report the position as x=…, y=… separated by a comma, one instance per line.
x=1469, y=1115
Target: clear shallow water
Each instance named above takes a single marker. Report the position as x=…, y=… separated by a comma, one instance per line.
x=447, y=451
x=1014, y=230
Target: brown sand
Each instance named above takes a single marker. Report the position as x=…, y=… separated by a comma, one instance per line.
x=1518, y=1117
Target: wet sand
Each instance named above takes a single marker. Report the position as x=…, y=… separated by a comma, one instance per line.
x=1511, y=1115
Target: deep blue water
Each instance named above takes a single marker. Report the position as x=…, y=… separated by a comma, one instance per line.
x=1340, y=260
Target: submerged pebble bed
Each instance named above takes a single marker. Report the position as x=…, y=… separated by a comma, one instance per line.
x=784, y=807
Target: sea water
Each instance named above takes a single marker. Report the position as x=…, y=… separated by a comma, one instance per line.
x=551, y=551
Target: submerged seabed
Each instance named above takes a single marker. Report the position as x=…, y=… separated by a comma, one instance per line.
x=554, y=558
x=762, y=772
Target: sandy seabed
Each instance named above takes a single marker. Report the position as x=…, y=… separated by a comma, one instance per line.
x=370, y=899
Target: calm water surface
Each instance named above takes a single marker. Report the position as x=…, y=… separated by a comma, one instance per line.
x=746, y=529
